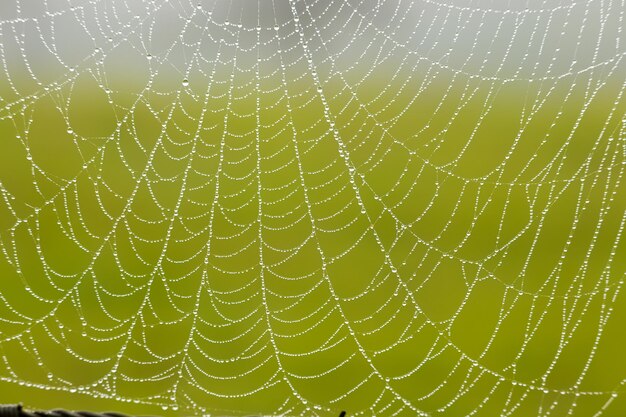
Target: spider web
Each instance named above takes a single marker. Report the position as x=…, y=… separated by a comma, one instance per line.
x=301, y=206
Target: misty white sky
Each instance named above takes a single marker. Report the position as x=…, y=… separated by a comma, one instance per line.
x=43, y=40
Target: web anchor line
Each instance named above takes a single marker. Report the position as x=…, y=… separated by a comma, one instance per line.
x=16, y=410
x=19, y=411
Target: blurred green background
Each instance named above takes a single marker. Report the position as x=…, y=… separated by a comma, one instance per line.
x=470, y=230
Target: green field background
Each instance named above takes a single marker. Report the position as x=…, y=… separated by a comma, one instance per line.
x=486, y=195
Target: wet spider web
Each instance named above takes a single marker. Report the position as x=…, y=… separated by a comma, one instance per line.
x=296, y=207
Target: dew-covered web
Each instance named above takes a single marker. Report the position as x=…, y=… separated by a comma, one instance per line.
x=301, y=206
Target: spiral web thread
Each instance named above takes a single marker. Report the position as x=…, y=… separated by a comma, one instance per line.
x=301, y=206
